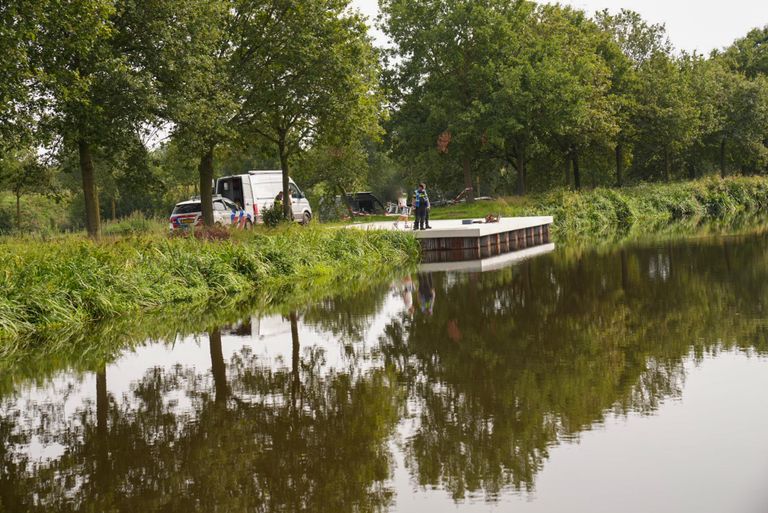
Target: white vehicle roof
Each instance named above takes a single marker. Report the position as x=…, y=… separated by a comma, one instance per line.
x=197, y=200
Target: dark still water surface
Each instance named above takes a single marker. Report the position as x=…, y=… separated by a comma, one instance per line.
x=626, y=380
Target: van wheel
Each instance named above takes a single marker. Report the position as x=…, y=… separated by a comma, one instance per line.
x=248, y=224
x=306, y=218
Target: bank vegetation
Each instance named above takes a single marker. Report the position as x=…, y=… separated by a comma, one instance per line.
x=50, y=290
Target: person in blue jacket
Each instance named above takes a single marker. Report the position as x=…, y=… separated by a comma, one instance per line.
x=421, y=205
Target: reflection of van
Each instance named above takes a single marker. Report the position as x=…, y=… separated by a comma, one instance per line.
x=257, y=190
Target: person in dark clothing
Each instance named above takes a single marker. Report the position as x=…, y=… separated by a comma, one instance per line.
x=421, y=205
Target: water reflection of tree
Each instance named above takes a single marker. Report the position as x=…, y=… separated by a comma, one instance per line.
x=509, y=364
x=347, y=317
x=250, y=439
x=513, y=362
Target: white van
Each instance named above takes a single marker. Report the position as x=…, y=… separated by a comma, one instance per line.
x=257, y=190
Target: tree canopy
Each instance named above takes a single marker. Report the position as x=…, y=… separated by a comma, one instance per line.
x=489, y=97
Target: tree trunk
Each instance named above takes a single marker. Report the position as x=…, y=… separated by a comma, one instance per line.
x=467, y=167
x=567, y=171
x=206, y=194
x=576, y=170
x=345, y=200
x=619, y=164
x=92, y=221
x=521, y=173
x=18, y=211
x=114, y=209
x=287, y=210
x=722, y=158
x=218, y=367
x=666, y=163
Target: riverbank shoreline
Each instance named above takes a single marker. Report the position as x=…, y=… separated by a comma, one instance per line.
x=597, y=214
x=51, y=290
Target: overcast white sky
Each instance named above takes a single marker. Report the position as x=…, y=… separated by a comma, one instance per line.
x=701, y=25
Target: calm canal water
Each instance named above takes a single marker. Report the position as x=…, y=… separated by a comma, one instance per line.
x=623, y=380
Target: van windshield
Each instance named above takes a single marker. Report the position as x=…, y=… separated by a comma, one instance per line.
x=187, y=208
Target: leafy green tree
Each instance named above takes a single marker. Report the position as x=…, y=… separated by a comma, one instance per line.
x=579, y=109
x=313, y=78
x=334, y=170
x=198, y=69
x=744, y=121
x=709, y=81
x=667, y=120
x=171, y=163
x=637, y=41
x=443, y=76
x=18, y=26
x=731, y=111
x=749, y=54
x=514, y=119
x=22, y=173
x=92, y=80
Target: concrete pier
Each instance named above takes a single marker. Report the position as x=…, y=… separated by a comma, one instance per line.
x=452, y=241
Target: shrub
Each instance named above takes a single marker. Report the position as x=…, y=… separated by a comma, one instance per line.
x=135, y=224
x=273, y=215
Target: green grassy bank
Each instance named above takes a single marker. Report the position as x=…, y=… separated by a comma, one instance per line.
x=51, y=290
x=601, y=213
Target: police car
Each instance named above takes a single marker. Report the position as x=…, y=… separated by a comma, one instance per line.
x=187, y=214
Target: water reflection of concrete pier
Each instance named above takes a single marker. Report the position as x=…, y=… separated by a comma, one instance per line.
x=492, y=263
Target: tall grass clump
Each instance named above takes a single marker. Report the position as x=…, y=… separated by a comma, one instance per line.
x=607, y=213
x=135, y=224
x=602, y=211
x=52, y=288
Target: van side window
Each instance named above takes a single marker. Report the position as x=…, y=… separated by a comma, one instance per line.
x=295, y=192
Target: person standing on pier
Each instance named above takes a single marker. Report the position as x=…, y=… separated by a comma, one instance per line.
x=421, y=204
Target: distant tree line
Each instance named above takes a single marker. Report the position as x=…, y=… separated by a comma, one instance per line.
x=121, y=106
x=503, y=95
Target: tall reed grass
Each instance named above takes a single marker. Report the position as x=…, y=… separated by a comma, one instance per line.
x=602, y=212
x=50, y=290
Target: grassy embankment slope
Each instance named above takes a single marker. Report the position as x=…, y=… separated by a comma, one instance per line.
x=54, y=289
x=50, y=290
